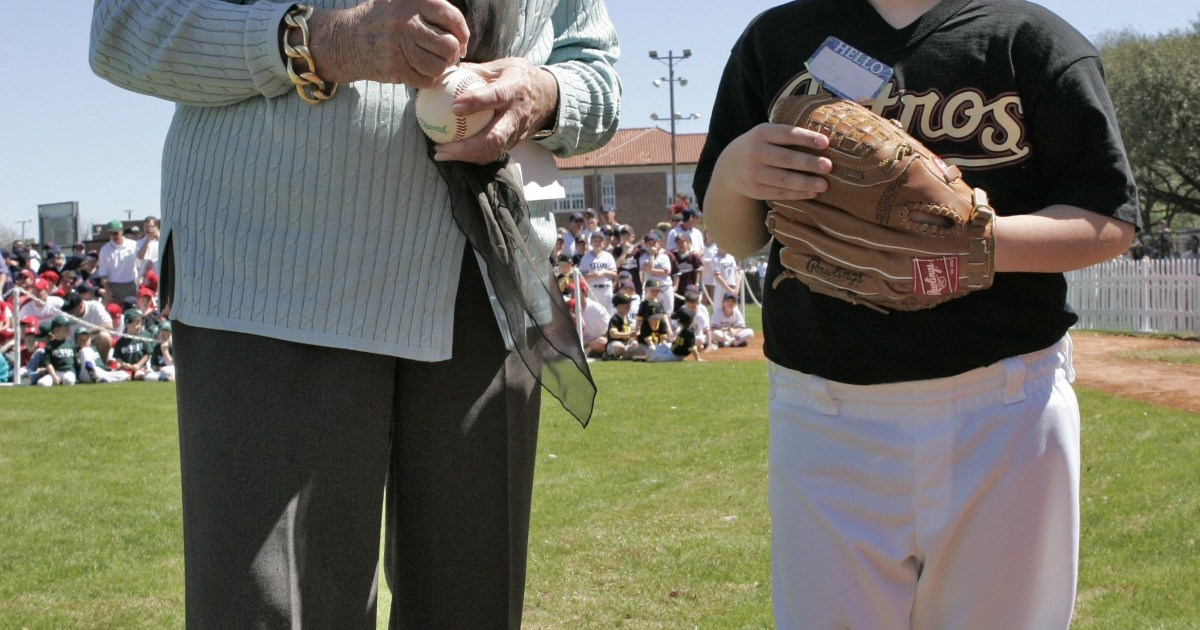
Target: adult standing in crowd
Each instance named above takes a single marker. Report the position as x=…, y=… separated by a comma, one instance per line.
x=608, y=216
x=1191, y=251
x=77, y=256
x=573, y=233
x=147, y=248
x=281, y=469
x=117, y=264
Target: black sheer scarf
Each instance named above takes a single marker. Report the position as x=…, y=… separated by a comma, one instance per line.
x=488, y=204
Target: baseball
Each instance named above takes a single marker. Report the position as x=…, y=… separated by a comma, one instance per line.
x=433, y=107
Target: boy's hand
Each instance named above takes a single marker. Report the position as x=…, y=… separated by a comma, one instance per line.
x=771, y=168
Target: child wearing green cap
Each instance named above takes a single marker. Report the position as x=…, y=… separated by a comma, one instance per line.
x=58, y=363
x=162, y=364
x=132, y=351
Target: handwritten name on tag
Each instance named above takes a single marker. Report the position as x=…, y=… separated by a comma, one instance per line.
x=847, y=71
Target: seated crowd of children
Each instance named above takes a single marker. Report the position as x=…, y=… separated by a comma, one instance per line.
x=655, y=323
x=645, y=301
x=75, y=338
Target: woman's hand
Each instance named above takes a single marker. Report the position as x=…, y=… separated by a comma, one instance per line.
x=525, y=99
x=389, y=41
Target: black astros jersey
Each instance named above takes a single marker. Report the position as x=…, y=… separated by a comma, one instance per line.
x=1004, y=90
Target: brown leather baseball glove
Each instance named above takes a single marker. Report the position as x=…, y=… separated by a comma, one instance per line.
x=897, y=228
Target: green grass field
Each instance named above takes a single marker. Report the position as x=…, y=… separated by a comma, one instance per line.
x=653, y=517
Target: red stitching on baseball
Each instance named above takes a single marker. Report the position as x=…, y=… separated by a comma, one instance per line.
x=460, y=122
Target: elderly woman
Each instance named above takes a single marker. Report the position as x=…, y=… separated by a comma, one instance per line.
x=337, y=315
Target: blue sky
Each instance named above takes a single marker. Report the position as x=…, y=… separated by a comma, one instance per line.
x=69, y=136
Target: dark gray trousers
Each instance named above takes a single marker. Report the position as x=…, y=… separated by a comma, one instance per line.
x=285, y=449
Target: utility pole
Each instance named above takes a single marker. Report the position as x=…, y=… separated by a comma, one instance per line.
x=670, y=60
x=23, y=222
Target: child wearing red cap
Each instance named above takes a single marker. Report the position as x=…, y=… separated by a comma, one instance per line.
x=118, y=319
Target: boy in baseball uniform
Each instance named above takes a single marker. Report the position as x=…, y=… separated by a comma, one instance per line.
x=682, y=345
x=91, y=368
x=655, y=331
x=729, y=325
x=58, y=364
x=599, y=269
x=648, y=306
x=620, y=330
x=162, y=364
x=701, y=322
x=924, y=465
x=132, y=350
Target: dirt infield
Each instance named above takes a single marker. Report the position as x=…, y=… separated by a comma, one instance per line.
x=1097, y=366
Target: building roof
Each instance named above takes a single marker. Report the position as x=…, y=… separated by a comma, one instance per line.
x=647, y=146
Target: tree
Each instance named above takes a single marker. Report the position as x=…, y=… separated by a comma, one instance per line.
x=1154, y=82
x=7, y=236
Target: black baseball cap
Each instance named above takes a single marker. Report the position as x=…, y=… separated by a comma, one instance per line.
x=71, y=300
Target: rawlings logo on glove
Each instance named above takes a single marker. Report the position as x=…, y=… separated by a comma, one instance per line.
x=897, y=229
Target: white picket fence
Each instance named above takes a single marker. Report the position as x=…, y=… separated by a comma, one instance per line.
x=1137, y=296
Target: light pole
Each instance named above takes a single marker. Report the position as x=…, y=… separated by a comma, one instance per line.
x=670, y=60
x=23, y=222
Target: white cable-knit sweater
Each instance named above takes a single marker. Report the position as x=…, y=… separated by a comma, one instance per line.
x=323, y=224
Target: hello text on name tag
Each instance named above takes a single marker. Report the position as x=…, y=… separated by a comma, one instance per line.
x=847, y=71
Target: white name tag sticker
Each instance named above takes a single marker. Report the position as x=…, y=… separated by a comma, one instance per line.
x=847, y=71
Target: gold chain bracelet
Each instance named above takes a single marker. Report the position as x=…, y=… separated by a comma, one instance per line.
x=311, y=87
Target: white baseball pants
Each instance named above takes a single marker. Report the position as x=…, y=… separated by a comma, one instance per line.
x=104, y=376
x=947, y=504
x=67, y=377
x=165, y=373
x=723, y=337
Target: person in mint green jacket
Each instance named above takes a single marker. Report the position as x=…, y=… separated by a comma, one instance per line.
x=308, y=234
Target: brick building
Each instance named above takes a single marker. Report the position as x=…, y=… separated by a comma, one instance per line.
x=631, y=173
